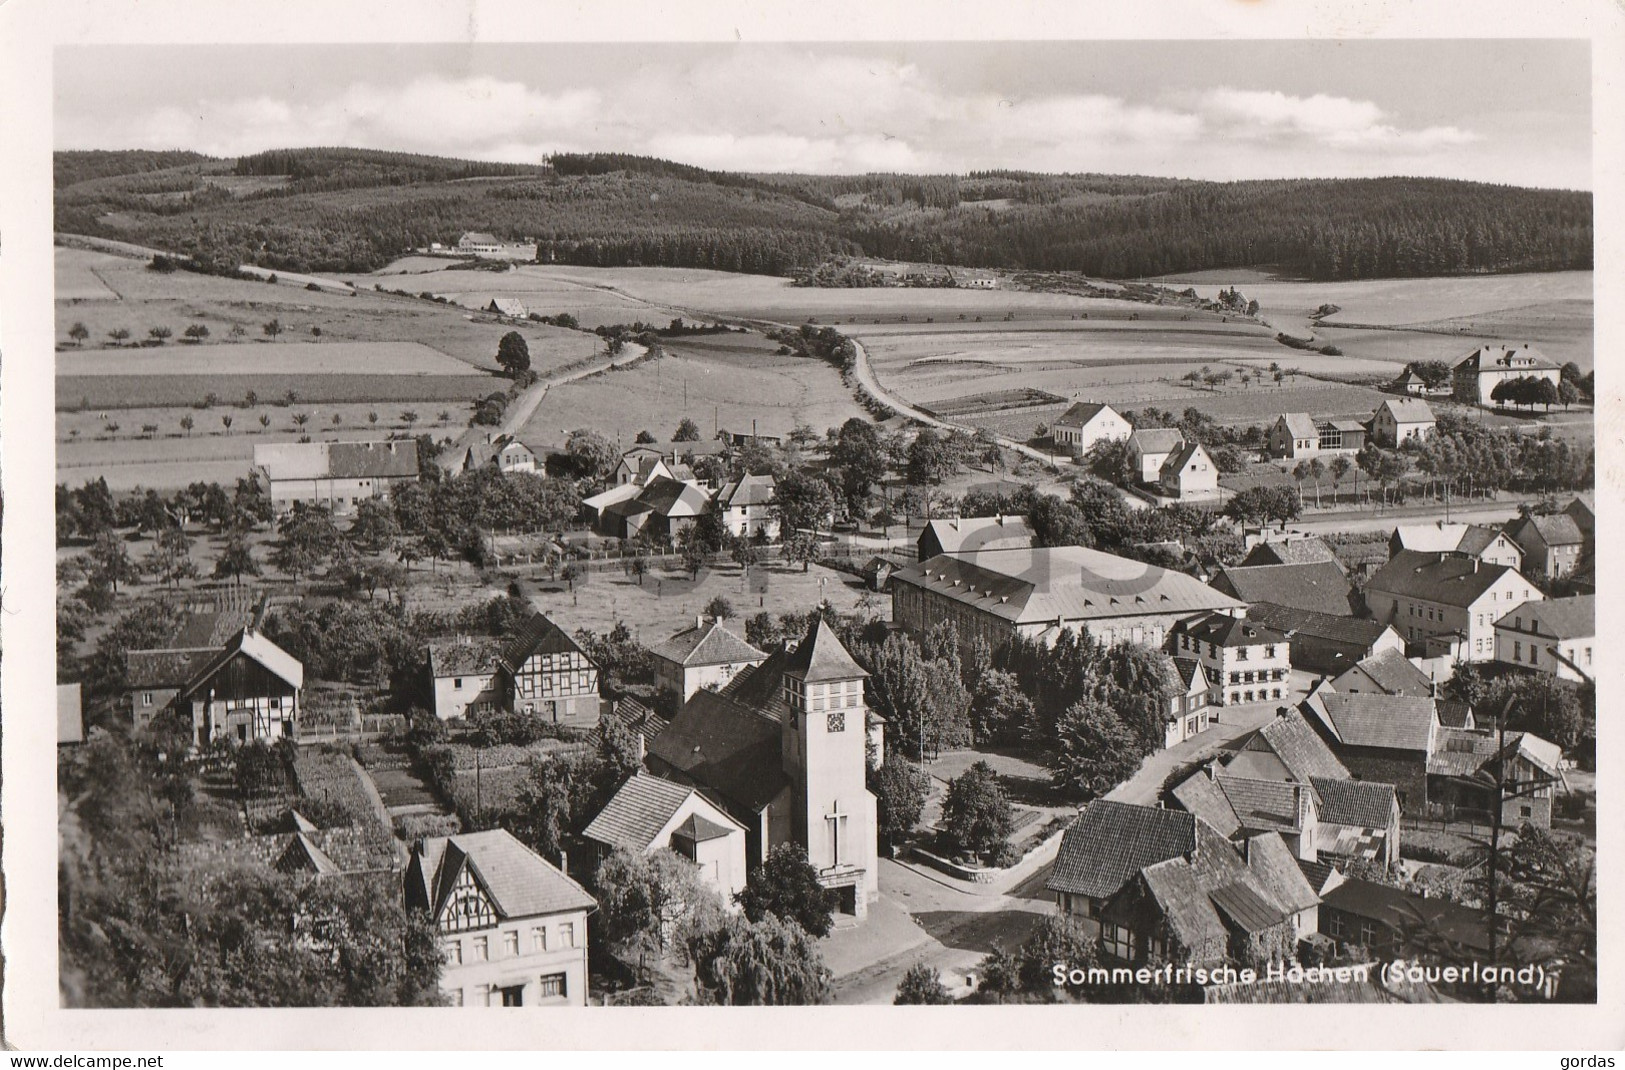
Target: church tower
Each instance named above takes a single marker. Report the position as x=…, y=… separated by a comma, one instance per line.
x=824, y=749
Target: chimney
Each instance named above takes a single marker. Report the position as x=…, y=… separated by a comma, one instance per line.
x=699, y=620
x=1475, y=564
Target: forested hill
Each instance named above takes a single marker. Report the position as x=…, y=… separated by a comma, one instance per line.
x=355, y=210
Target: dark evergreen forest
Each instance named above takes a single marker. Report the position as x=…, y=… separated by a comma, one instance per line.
x=355, y=210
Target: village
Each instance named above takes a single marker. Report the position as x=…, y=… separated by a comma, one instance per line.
x=896, y=708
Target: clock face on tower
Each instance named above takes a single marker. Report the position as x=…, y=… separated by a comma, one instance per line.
x=835, y=722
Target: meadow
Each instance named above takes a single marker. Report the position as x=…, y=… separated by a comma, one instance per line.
x=724, y=381
x=175, y=391
x=271, y=358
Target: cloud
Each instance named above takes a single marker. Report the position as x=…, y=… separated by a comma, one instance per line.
x=796, y=108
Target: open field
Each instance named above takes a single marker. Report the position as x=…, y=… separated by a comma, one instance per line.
x=149, y=299
x=142, y=391
x=274, y=358
x=668, y=602
x=78, y=275
x=730, y=380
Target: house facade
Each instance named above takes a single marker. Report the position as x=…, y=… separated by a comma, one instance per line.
x=1474, y=377
x=543, y=670
x=746, y=505
x=1243, y=660
x=464, y=677
x=1401, y=420
x=1294, y=434
x=1191, y=711
x=335, y=475
x=1149, y=449
x=1189, y=474
x=513, y=926
x=1551, y=544
x=708, y=655
x=247, y=691
x=1444, y=596
x=1086, y=423
x=1554, y=637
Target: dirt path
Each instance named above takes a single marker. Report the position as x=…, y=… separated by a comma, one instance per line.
x=525, y=405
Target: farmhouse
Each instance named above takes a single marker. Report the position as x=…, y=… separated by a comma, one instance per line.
x=783, y=749
x=1086, y=423
x=1461, y=775
x=1189, y=474
x=1321, y=586
x=648, y=814
x=336, y=475
x=1550, y=544
x=1386, y=738
x=511, y=307
x=513, y=926
x=1476, y=375
x=1037, y=593
x=476, y=243
x=502, y=452
x=464, y=676
x=1387, y=673
x=246, y=689
x=746, y=505
x=1325, y=643
x=659, y=510
x=1245, y=661
x=638, y=464
x=543, y=670
x=1149, y=448
x=707, y=655
x=973, y=534
x=1411, y=383
x=1166, y=885
x=1400, y=420
x=1486, y=544
x=1281, y=777
x=1553, y=637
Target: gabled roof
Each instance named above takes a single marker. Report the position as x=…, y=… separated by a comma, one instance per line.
x=1312, y=624
x=1407, y=912
x=1081, y=414
x=1318, y=585
x=1299, y=749
x=1151, y=440
x=1449, y=580
x=1556, y=529
x=464, y=656
x=747, y=490
x=1198, y=794
x=1318, y=874
x=1191, y=673
x=1180, y=458
x=1407, y=410
x=719, y=743
x=165, y=668
x=976, y=533
x=1111, y=842
x=477, y=237
x=1389, y=672
x=1355, y=802
x=1272, y=863
x=1187, y=908
x=707, y=643
x=637, y=812
x=254, y=646
x=1582, y=513
x=1289, y=552
x=1261, y=804
x=1221, y=629
x=820, y=657
x=379, y=459
x=1440, y=537
x=1299, y=424
x=1466, y=752
x=538, y=635
x=302, y=855
x=508, y=306
x=1245, y=908
x=1030, y=586
x=1391, y=722
x=518, y=881
x=670, y=497
x=634, y=715
x=700, y=829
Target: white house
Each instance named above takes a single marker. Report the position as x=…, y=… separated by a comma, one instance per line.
x=464, y=676
x=1446, y=596
x=706, y=655
x=746, y=505
x=1294, y=434
x=648, y=813
x=1087, y=423
x=1189, y=474
x=1149, y=449
x=513, y=926
x=1553, y=637
x=1244, y=660
x=1399, y=420
x=337, y=475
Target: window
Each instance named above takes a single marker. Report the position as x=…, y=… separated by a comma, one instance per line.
x=567, y=934
x=482, y=948
x=1337, y=926
x=1269, y=651
x=513, y=996
x=1368, y=933
x=1534, y=653
x=1213, y=650
x=455, y=952
x=1526, y=811
x=456, y=997
x=1235, y=696
x=1235, y=677
x=510, y=943
x=1241, y=653
x=1117, y=940
x=553, y=986
x=1517, y=651
x=538, y=938
x=146, y=698
x=457, y=683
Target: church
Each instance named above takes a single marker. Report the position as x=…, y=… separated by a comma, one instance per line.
x=783, y=749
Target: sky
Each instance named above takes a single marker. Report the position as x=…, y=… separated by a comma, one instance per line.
x=1506, y=111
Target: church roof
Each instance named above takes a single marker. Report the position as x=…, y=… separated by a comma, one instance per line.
x=719, y=742
x=820, y=657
